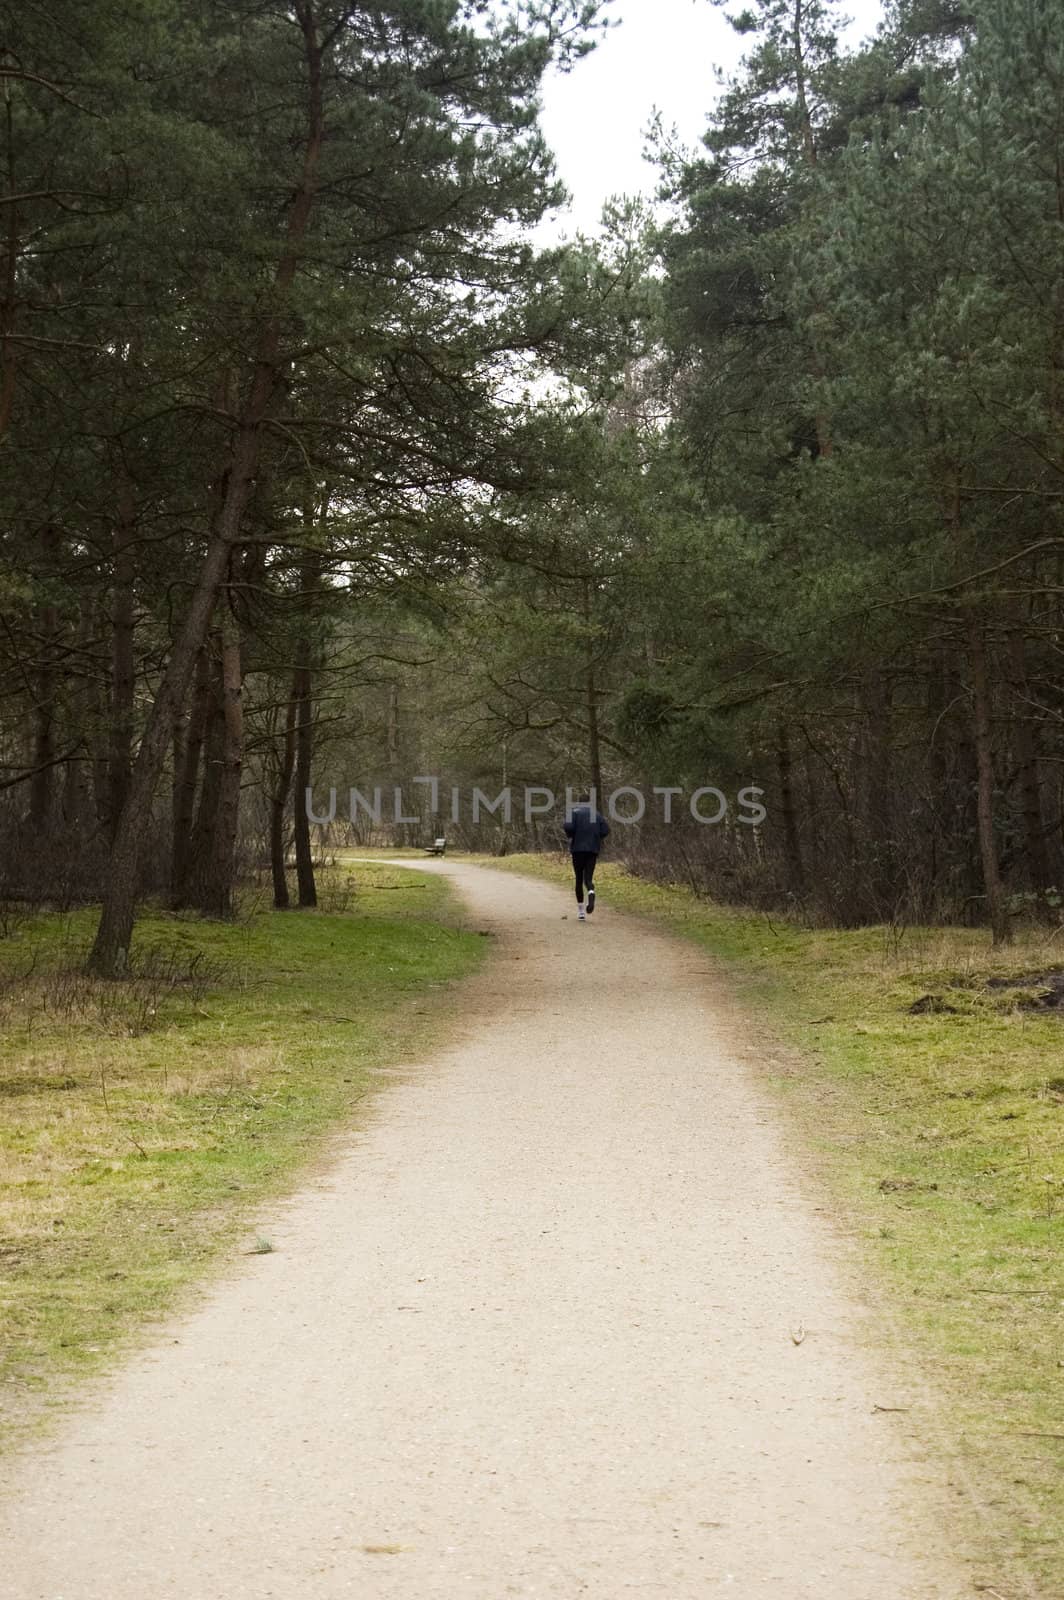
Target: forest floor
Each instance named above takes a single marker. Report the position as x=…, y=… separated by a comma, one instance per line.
x=924, y=1075
x=570, y=1316
x=140, y=1121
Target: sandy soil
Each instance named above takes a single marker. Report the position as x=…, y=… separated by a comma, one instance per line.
x=533, y=1333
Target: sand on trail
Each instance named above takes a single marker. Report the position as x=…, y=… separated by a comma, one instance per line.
x=531, y=1333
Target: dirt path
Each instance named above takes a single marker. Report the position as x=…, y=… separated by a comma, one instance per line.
x=531, y=1335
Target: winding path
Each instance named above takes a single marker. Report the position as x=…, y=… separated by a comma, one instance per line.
x=532, y=1334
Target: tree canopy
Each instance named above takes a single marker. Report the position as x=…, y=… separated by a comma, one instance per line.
x=310, y=457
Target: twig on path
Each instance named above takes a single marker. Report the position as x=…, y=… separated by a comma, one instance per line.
x=876, y=1408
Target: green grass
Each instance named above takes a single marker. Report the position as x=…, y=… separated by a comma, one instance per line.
x=941, y=1137
x=140, y=1121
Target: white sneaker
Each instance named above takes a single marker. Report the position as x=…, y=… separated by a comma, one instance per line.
x=590, y=901
x=580, y=916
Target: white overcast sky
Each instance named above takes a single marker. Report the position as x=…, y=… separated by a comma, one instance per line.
x=662, y=56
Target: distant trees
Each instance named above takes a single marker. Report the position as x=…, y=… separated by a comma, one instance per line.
x=835, y=559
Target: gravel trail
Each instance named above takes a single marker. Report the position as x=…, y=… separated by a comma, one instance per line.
x=532, y=1333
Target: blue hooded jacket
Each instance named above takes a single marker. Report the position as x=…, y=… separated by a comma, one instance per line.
x=586, y=829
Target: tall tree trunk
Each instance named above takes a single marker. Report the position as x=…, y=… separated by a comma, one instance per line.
x=110, y=951
x=392, y=731
x=178, y=746
x=42, y=784
x=100, y=721
x=279, y=805
x=9, y=277
x=308, y=894
x=878, y=810
x=984, y=756
x=1023, y=743
x=196, y=889
x=76, y=806
x=75, y=798
x=791, y=842
x=43, y=762
x=966, y=868
x=934, y=817
x=186, y=778
x=826, y=753
x=981, y=723
x=221, y=870
x=120, y=740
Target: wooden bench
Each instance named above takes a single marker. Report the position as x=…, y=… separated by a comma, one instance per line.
x=436, y=848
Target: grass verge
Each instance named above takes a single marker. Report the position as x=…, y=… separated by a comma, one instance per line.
x=139, y=1121
x=941, y=1134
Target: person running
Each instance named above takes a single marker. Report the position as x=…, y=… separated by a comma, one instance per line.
x=586, y=828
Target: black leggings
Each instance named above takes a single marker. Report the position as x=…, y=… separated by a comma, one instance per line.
x=584, y=868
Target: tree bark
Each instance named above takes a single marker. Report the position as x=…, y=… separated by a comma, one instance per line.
x=43, y=758
x=42, y=785
x=186, y=778
x=195, y=887
x=308, y=894
x=9, y=347
x=178, y=746
x=1023, y=743
x=791, y=842
x=100, y=722
x=937, y=771
x=221, y=871
x=76, y=807
x=878, y=810
x=984, y=756
x=110, y=952
x=279, y=806
x=74, y=804
x=392, y=731
x=120, y=737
